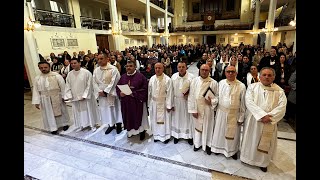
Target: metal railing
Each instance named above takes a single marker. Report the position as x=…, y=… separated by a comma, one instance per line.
x=51, y=18
x=132, y=27
x=158, y=3
x=91, y=23
x=234, y=26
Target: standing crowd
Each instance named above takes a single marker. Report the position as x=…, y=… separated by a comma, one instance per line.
x=234, y=89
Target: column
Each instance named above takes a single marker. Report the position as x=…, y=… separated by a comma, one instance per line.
x=75, y=10
x=166, y=30
x=256, y=23
x=115, y=26
x=294, y=40
x=31, y=56
x=245, y=14
x=149, y=26
x=204, y=39
x=270, y=23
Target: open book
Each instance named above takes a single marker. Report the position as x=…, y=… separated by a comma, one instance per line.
x=208, y=93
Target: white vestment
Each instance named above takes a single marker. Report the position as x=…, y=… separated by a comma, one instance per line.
x=182, y=124
x=196, y=104
x=78, y=86
x=43, y=85
x=106, y=79
x=221, y=144
x=159, y=100
x=256, y=99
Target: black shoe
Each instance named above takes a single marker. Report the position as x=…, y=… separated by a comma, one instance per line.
x=175, y=140
x=208, y=150
x=217, y=153
x=110, y=128
x=142, y=135
x=65, y=127
x=190, y=141
x=166, y=141
x=196, y=149
x=264, y=169
x=235, y=156
x=119, y=128
x=155, y=140
x=54, y=132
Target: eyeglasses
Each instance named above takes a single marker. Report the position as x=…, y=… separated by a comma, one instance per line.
x=231, y=72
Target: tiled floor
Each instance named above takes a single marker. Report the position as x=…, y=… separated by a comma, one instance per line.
x=88, y=155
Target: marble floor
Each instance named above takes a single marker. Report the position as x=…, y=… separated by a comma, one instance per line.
x=94, y=155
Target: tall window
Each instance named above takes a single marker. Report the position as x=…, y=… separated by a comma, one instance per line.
x=136, y=20
x=195, y=7
x=230, y=5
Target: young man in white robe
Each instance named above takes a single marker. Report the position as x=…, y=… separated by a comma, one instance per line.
x=160, y=104
x=47, y=95
x=79, y=90
x=266, y=106
x=105, y=80
x=182, y=124
x=201, y=106
x=229, y=115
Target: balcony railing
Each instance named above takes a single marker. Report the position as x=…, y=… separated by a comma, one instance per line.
x=283, y=21
x=193, y=18
x=190, y=28
x=91, y=23
x=132, y=27
x=51, y=18
x=158, y=3
x=234, y=26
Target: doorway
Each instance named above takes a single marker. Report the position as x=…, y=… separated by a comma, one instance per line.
x=211, y=39
x=102, y=41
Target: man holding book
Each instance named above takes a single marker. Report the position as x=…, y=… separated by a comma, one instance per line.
x=202, y=100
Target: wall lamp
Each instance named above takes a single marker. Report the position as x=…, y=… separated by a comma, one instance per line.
x=32, y=25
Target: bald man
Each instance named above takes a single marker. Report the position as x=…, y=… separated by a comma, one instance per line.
x=202, y=108
x=160, y=104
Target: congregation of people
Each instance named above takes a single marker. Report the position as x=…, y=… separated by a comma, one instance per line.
x=244, y=88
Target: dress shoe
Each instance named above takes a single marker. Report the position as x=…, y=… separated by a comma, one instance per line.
x=175, y=140
x=142, y=135
x=196, y=149
x=54, y=132
x=208, y=150
x=119, y=128
x=190, y=141
x=110, y=128
x=156, y=140
x=235, y=156
x=166, y=141
x=217, y=153
x=264, y=169
x=65, y=127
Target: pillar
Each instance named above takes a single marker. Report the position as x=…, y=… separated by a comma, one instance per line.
x=166, y=30
x=270, y=23
x=149, y=26
x=31, y=56
x=294, y=40
x=256, y=23
x=75, y=10
x=245, y=14
x=115, y=25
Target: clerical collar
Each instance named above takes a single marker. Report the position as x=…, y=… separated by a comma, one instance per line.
x=132, y=73
x=183, y=75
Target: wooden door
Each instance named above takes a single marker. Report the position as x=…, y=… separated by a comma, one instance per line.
x=102, y=41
